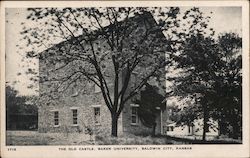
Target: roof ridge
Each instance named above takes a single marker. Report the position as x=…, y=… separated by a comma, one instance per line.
x=144, y=14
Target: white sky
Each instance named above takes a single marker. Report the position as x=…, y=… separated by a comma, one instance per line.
x=223, y=19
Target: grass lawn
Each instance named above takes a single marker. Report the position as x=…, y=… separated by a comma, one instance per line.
x=134, y=140
x=35, y=138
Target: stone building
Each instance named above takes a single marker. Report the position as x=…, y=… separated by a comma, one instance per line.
x=80, y=107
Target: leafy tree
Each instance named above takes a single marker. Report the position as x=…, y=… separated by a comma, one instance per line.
x=228, y=85
x=133, y=41
x=193, y=58
x=150, y=105
x=17, y=105
x=31, y=104
x=173, y=112
x=212, y=77
x=188, y=115
x=13, y=100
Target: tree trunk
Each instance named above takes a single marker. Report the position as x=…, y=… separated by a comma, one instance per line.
x=236, y=131
x=204, y=131
x=114, y=118
x=219, y=127
x=205, y=126
x=153, y=131
x=205, y=120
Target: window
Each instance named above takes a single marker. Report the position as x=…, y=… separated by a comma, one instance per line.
x=56, y=118
x=74, y=112
x=134, y=115
x=97, y=115
x=170, y=128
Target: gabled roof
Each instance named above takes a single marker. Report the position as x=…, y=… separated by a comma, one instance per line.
x=145, y=16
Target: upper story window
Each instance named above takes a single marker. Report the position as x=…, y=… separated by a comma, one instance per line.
x=134, y=114
x=97, y=115
x=74, y=116
x=56, y=118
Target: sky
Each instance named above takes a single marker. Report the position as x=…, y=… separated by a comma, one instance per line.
x=223, y=19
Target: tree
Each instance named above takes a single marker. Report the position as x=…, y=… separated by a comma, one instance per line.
x=194, y=61
x=150, y=105
x=228, y=85
x=16, y=105
x=188, y=115
x=130, y=46
x=212, y=76
x=13, y=101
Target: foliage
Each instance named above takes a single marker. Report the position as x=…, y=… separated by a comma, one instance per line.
x=228, y=85
x=149, y=103
x=17, y=106
x=14, y=103
x=211, y=75
x=173, y=112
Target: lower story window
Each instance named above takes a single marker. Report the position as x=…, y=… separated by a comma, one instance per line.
x=170, y=128
x=56, y=118
x=74, y=112
x=97, y=115
x=134, y=115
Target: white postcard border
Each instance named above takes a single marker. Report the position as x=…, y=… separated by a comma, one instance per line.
x=231, y=150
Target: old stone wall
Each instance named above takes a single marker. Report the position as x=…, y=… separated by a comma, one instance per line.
x=80, y=95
